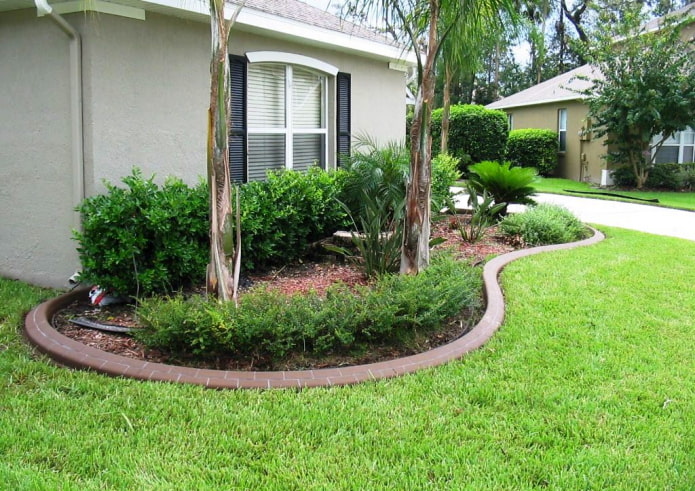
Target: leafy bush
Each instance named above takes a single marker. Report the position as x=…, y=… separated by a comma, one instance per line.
x=270, y=325
x=143, y=239
x=686, y=177
x=533, y=147
x=544, y=224
x=669, y=176
x=505, y=183
x=445, y=173
x=475, y=133
x=283, y=215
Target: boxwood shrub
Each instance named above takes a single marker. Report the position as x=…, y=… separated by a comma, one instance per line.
x=533, y=147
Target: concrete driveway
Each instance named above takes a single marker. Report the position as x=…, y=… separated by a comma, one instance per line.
x=645, y=218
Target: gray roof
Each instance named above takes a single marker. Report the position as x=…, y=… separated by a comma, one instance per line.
x=308, y=14
x=565, y=87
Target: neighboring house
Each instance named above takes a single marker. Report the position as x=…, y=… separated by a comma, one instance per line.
x=557, y=104
x=96, y=87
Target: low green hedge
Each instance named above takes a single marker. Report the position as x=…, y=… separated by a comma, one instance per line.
x=269, y=325
x=544, y=224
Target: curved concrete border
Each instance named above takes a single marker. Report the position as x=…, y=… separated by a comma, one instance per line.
x=63, y=350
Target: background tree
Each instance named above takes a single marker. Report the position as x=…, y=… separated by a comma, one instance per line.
x=425, y=24
x=646, y=88
x=225, y=243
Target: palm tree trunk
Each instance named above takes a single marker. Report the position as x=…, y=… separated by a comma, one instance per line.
x=416, y=233
x=221, y=281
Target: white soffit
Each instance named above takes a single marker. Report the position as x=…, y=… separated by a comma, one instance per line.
x=76, y=6
x=292, y=59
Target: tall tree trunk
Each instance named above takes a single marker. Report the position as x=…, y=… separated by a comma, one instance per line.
x=444, y=147
x=222, y=273
x=416, y=233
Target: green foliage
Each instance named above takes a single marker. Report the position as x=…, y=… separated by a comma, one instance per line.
x=144, y=239
x=379, y=239
x=475, y=133
x=445, y=173
x=544, y=224
x=506, y=184
x=376, y=172
x=269, y=325
x=283, y=215
x=669, y=176
x=533, y=147
x=648, y=90
x=483, y=214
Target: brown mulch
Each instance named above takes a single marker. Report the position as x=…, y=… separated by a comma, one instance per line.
x=299, y=278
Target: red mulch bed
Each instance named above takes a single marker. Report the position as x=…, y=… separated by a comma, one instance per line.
x=289, y=280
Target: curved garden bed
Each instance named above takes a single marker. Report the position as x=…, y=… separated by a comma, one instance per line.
x=65, y=351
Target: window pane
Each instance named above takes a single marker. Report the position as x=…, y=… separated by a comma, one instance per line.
x=265, y=152
x=266, y=96
x=563, y=141
x=307, y=96
x=666, y=155
x=308, y=150
x=688, y=154
x=688, y=136
x=562, y=120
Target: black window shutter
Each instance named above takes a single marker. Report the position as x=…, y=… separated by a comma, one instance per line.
x=237, y=121
x=343, y=104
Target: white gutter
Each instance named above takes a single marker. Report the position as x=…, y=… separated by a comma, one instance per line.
x=76, y=126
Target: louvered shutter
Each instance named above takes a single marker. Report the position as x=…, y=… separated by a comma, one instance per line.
x=237, y=130
x=343, y=104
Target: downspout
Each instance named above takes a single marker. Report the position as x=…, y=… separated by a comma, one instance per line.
x=76, y=126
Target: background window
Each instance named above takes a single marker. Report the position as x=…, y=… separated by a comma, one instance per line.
x=679, y=148
x=562, y=128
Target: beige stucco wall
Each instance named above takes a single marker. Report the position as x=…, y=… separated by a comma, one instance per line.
x=36, y=216
x=583, y=158
x=146, y=86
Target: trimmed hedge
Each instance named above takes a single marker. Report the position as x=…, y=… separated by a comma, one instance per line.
x=475, y=133
x=533, y=147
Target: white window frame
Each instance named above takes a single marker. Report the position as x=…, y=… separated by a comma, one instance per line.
x=677, y=140
x=289, y=61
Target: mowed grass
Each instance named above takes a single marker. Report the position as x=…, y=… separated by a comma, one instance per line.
x=670, y=199
x=589, y=384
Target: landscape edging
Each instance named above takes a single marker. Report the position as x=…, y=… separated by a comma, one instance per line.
x=68, y=352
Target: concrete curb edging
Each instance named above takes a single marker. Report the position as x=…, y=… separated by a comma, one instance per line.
x=65, y=351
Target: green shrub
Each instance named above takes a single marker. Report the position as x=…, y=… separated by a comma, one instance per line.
x=670, y=176
x=533, y=147
x=445, y=173
x=686, y=177
x=283, y=215
x=475, y=133
x=269, y=325
x=506, y=184
x=144, y=239
x=544, y=224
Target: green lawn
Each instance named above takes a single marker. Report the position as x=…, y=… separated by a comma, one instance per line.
x=589, y=384
x=555, y=185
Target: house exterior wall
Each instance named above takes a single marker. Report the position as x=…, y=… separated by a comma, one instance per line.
x=582, y=161
x=36, y=216
x=145, y=100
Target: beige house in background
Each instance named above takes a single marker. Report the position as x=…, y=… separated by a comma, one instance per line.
x=91, y=88
x=557, y=104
